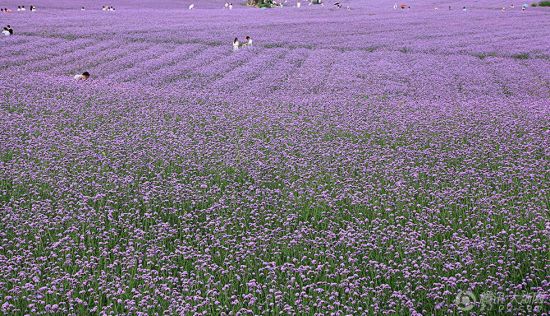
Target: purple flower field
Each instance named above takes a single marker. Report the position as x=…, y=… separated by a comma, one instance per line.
x=368, y=161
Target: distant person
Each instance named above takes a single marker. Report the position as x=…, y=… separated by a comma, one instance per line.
x=84, y=76
x=104, y=8
x=248, y=41
x=338, y=5
x=18, y=8
x=235, y=44
x=230, y=6
x=82, y=9
x=464, y=9
x=23, y=8
x=226, y=5
x=298, y=4
x=395, y=6
x=191, y=6
x=7, y=31
x=512, y=6
x=524, y=7
x=33, y=8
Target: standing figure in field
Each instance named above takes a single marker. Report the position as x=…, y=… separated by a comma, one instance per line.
x=33, y=8
x=191, y=6
x=248, y=41
x=464, y=9
x=18, y=8
x=395, y=6
x=226, y=5
x=230, y=6
x=84, y=76
x=235, y=44
x=23, y=8
x=82, y=9
x=298, y=4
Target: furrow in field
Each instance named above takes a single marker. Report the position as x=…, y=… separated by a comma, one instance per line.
x=73, y=53
x=183, y=72
x=310, y=77
x=240, y=80
x=110, y=62
x=166, y=68
x=281, y=68
x=50, y=49
x=133, y=65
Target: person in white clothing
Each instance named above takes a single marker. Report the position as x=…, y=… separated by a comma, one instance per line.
x=6, y=32
x=191, y=6
x=298, y=4
x=235, y=44
x=84, y=76
x=226, y=5
x=230, y=6
x=248, y=41
x=9, y=30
